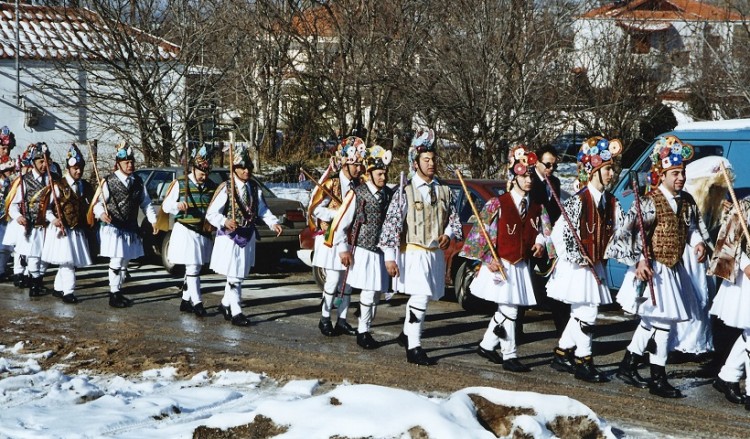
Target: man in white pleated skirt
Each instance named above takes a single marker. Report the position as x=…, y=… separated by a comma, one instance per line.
x=67, y=212
x=191, y=241
x=595, y=215
x=671, y=219
x=234, y=216
x=321, y=212
x=518, y=228
x=6, y=170
x=424, y=217
x=356, y=233
x=117, y=201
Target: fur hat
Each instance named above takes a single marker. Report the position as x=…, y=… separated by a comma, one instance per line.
x=201, y=157
x=352, y=150
x=595, y=153
x=74, y=157
x=7, y=138
x=377, y=158
x=669, y=153
x=123, y=152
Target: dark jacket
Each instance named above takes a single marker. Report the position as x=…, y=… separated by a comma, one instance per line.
x=539, y=194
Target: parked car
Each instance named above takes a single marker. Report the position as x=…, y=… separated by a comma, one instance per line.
x=291, y=215
x=459, y=271
x=568, y=144
x=728, y=138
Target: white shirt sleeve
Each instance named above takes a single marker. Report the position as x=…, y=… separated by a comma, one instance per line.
x=14, y=210
x=101, y=200
x=264, y=212
x=214, y=213
x=148, y=208
x=347, y=218
x=169, y=205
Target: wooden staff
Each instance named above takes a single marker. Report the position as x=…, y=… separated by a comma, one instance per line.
x=572, y=228
x=24, y=209
x=321, y=187
x=743, y=220
x=54, y=195
x=100, y=184
x=231, y=175
x=642, y=232
x=480, y=224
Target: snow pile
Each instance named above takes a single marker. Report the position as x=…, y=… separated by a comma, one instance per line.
x=36, y=403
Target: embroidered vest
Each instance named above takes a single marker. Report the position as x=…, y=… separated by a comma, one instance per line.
x=669, y=232
x=515, y=236
x=244, y=214
x=72, y=205
x=4, y=188
x=369, y=216
x=596, y=229
x=333, y=184
x=36, y=199
x=124, y=202
x=425, y=222
x=197, y=200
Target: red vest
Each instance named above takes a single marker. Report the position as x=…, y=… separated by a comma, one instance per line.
x=595, y=229
x=515, y=237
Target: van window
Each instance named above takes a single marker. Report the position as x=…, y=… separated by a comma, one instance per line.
x=738, y=157
x=157, y=185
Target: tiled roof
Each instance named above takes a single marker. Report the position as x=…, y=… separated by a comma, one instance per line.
x=667, y=10
x=58, y=33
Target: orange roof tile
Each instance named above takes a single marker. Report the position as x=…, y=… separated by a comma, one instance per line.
x=668, y=10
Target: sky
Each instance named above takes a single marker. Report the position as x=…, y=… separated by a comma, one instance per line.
x=38, y=403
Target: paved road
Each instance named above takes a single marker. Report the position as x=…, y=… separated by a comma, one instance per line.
x=284, y=343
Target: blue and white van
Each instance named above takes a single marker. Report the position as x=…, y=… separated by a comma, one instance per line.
x=729, y=138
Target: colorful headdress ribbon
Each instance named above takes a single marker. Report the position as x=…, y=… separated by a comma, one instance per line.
x=521, y=161
x=242, y=157
x=7, y=138
x=377, y=158
x=352, y=150
x=124, y=152
x=669, y=152
x=74, y=157
x=596, y=152
x=37, y=150
x=201, y=157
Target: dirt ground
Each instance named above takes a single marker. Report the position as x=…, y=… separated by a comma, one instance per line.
x=284, y=343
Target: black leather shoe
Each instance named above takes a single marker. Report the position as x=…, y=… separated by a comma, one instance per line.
x=731, y=390
x=199, y=310
x=24, y=282
x=116, y=301
x=747, y=403
x=419, y=357
x=17, y=280
x=58, y=294
x=402, y=340
x=628, y=371
x=342, y=327
x=515, y=365
x=563, y=360
x=586, y=371
x=225, y=311
x=659, y=385
x=326, y=327
x=128, y=302
x=70, y=298
x=365, y=341
x=240, y=320
x=185, y=306
x=491, y=355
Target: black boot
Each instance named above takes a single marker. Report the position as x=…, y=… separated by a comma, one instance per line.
x=35, y=287
x=659, y=385
x=70, y=298
x=403, y=340
x=490, y=354
x=586, y=371
x=117, y=300
x=628, y=371
x=342, y=327
x=17, y=280
x=419, y=357
x=199, y=310
x=326, y=327
x=731, y=390
x=365, y=341
x=185, y=306
x=563, y=360
x=241, y=320
x=225, y=311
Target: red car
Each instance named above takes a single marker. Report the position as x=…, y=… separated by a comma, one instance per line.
x=459, y=272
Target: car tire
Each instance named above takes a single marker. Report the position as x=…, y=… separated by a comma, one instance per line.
x=464, y=276
x=173, y=269
x=319, y=274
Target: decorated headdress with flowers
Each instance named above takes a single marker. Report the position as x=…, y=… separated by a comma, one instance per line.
x=6, y=163
x=123, y=151
x=201, y=157
x=423, y=141
x=595, y=153
x=242, y=157
x=352, y=150
x=521, y=160
x=7, y=138
x=377, y=158
x=669, y=153
x=74, y=157
x=37, y=151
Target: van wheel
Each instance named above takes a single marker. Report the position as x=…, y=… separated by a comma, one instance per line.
x=173, y=269
x=464, y=276
x=319, y=274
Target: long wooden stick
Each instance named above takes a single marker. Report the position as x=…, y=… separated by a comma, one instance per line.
x=99, y=182
x=572, y=228
x=231, y=175
x=480, y=224
x=642, y=232
x=743, y=220
x=320, y=186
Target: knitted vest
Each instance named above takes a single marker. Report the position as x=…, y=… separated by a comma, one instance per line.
x=595, y=229
x=669, y=231
x=515, y=236
x=425, y=222
x=124, y=202
x=369, y=216
x=197, y=200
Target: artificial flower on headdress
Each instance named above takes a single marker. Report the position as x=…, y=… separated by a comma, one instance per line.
x=423, y=141
x=352, y=150
x=242, y=157
x=124, y=152
x=201, y=157
x=668, y=153
x=521, y=161
x=6, y=163
x=7, y=138
x=37, y=151
x=595, y=153
x=74, y=157
x=377, y=158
